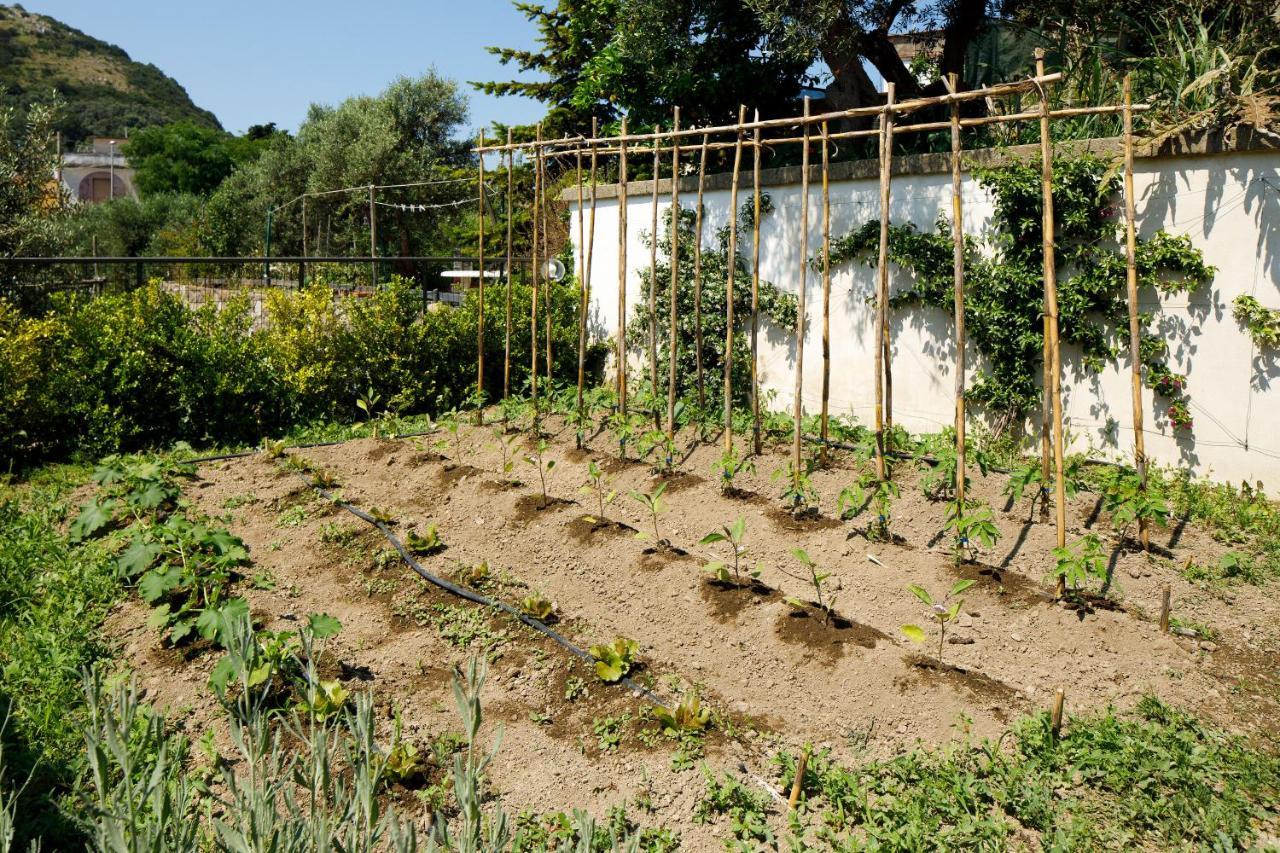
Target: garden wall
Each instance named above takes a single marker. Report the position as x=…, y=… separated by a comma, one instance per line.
x=1224, y=193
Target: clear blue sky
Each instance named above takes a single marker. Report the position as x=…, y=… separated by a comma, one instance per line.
x=256, y=62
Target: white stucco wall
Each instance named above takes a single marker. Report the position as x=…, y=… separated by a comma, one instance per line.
x=1228, y=204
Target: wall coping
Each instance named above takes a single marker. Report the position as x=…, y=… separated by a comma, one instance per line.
x=1240, y=139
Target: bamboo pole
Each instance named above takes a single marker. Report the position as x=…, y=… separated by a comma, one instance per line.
x=675, y=277
x=882, y=286
x=797, y=784
x=826, y=286
x=957, y=239
x=1135, y=327
x=506, y=346
x=901, y=107
x=755, y=293
x=582, y=298
x=622, y=273
x=801, y=318
x=653, y=291
x=546, y=279
x=732, y=257
x=1055, y=716
x=480, y=311
x=1166, y=606
x=697, y=278
x=1051, y=304
x=533, y=304
x=591, y=249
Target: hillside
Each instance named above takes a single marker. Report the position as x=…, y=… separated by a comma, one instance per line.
x=104, y=91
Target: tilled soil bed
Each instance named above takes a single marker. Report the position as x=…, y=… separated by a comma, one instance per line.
x=781, y=675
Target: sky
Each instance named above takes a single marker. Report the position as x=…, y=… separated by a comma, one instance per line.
x=267, y=61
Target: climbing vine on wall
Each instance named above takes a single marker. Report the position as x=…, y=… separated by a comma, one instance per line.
x=1262, y=323
x=779, y=308
x=1004, y=291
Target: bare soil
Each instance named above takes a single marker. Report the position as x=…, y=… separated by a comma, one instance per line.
x=786, y=676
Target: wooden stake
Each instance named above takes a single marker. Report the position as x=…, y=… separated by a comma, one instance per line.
x=506, y=347
x=797, y=408
x=653, y=286
x=582, y=295
x=957, y=237
x=1166, y=605
x=798, y=783
x=755, y=294
x=533, y=303
x=1051, y=302
x=480, y=310
x=697, y=278
x=1055, y=716
x=882, y=287
x=1135, y=327
x=546, y=258
x=730, y=274
x=591, y=249
x=675, y=278
x=622, y=272
x=826, y=286
x=373, y=238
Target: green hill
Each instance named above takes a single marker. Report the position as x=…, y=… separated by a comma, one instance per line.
x=104, y=92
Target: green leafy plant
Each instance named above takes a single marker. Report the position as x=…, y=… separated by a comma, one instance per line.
x=687, y=716
x=942, y=611
x=615, y=660
x=729, y=466
x=426, y=543
x=1263, y=324
x=543, y=466
x=975, y=527
x=1080, y=562
x=654, y=504
x=506, y=445
x=451, y=422
x=734, y=534
x=624, y=428
x=1128, y=502
x=539, y=607
x=870, y=492
x=598, y=485
x=798, y=492
x=818, y=580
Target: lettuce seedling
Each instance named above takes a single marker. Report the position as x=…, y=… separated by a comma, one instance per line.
x=942, y=611
x=427, y=543
x=616, y=659
x=734, y=534
x=539, y=607
x=688, y=716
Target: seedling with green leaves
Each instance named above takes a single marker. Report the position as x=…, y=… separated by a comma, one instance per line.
x=729, y=466
x=942, y=611
x=130, y=489
x=688, y=717
x=624, y=429
x=506, y=446
x=654, y=504
x=817, y=579
x=1079, y=562
x=974, y=527
x=426, y=543
x=539, y=607
x=544, y=466
x=734, y=534
x=369, y=405
x=598, y=484
x=615, y=660
x=799, y=493
x=1128, y=502
x=869, y=492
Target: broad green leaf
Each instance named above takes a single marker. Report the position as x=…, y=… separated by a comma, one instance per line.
x=921, y=593
x=221, y=674
x=323, y=626
x=738, y=529
x=914, y=633
x=137, y=558
x=93, y=517
x=711, y=538
x=960, y=587
x=609, y=671
x=159, y=617
x=158, y=583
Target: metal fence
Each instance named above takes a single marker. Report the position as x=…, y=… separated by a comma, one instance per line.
x=32, y=283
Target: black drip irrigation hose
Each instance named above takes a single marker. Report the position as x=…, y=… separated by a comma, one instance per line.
x=472, y=595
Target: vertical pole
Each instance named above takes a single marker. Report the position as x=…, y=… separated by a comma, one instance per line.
x=506, y=345
x=622, y=270
x=798, y=404
x=755, y=292
x=266, y=251
x=732, y=269
x=957, y=238
x=1166, y=605
x=653, y=282
x=373, y=238
x=1046, y=390
x=547, y=307
x=302, y=266
x=480, y=265
x=1055, y=715
x=672, y=343
x=882, y=286
x=582, y=293
x=1051, y=304
x=826, y=285
x=586, y=274
x=533, y=303
x=697, y=278
x=1135, y=327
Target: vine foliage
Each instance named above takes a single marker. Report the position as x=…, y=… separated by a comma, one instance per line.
x=1004, y=293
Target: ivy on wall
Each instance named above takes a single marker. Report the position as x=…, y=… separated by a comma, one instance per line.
x=1262, y=324
x=1004, y=293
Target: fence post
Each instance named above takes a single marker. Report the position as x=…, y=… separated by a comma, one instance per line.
x=139, y=270
x=302, y=273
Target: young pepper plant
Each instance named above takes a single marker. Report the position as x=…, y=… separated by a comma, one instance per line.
x=734, y=534
x=818, y=579
x=941, y=611
x=544, y=466
x=655, y=506
x=598, y=484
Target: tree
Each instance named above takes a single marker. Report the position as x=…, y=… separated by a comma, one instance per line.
x=603, y=58
x=31, y=198
x=178, y=157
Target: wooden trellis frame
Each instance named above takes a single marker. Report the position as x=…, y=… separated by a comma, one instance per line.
x=678, y=138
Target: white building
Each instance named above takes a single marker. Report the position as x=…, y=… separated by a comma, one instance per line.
x=100, y=174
